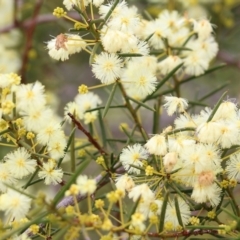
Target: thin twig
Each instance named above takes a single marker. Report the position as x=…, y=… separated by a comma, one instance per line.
x=43, y=18
x=90, y=137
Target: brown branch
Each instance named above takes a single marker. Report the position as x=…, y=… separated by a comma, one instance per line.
x=29, y=35
x=44, y=18
x=184, y=233
x=90, y=138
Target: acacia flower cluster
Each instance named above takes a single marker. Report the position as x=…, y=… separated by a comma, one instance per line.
x=34, y=133
x=192, y=155
x=138, y=52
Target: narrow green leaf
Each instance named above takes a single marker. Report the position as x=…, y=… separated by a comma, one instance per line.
x=34, y=182
x=235, y=217
x=130, y=55
x=112, y=162
x=193, y=103
x=40, y=155
x=19, y=191
x=83, y=146
x=60, y=233
x=181, y=130
x=147, y=15
x=131, y=135
x=99, y=20
x=149, y=37
x=30, y=179
x=62, y=122
x=181, y=48
x=182, y=195
x=102, y=129
x=23, y=227
x=205, y=73
x=115, y=3
x=156, y=116
x=216, y=107
x=133, y=209
x=130, y=139
x=214, y=91
x=157, y=95
x=203, y=227
x=178, y=210
x=81, y=30
x=72, y=149
x=110, y=99
x=62, y=191
x=70, y=139
x=94, y=51
x=187, y=40
x=218, y=209
x=141, y=104
x=14, y=101
x=102, y=107
x=90, y=129
x=4, y=131
x=137, y=167
x=164, y=80
x=163, y=212
x=156, y=52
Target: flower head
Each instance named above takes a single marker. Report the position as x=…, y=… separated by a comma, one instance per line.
x=174, y=104
x=86, y=185
x=157, y=145
x=20, y=163
x=50, y=174
x=62, y=46
x=233, y=167
x=133, y=155
x=107, y=67
x=15, y=205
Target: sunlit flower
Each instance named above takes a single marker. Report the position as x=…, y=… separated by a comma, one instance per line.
x=133, y=155
x=50, y=173
x=14, y=204
x=107, y=67
x=86, y=185
x=20, y=163
x=174, y=104
x=157, y=145
x=233, y=167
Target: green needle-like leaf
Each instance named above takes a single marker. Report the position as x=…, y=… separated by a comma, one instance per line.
x=110, y=99
x=205, y=73
x=130, y=55
x=214, y=91
x=141, y=104
x=216, y=107
x=23, y=227
x=163, y=212
x=133, y=209
x=164, y=80
x=94, y=51
x=70, y=139
x=178, y=210
x=61, y=193
x=102, y=129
